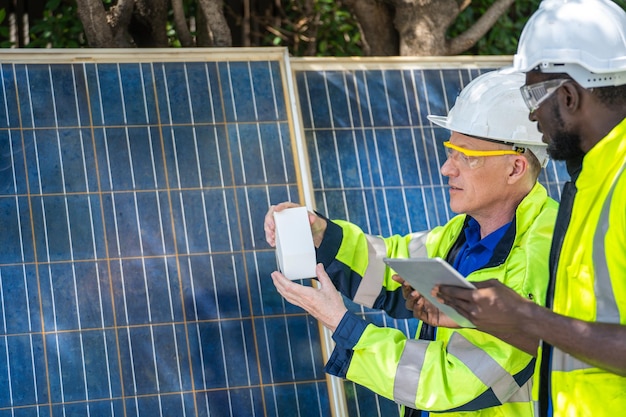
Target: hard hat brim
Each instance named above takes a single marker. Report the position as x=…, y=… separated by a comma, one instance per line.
x=439, y=120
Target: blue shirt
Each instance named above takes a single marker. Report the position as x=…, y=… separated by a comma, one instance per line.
x=476, y=252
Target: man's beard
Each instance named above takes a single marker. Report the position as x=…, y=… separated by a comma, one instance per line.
x=564, y=145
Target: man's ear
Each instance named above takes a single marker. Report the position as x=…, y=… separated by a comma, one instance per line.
x=570, y=96
x=518, y=168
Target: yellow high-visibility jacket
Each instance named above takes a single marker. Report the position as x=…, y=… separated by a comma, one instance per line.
x=591, y=279
x=463, y=371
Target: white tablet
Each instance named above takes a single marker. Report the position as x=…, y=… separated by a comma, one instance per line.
x=425, y=273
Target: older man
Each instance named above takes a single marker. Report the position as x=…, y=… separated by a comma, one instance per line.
x=504, y=230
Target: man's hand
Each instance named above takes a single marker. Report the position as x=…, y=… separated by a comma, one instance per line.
x=324, y=303
x=423, y=309
x=318, y=225
x=492, y=307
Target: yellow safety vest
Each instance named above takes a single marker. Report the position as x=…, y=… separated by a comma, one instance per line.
x=591, y=279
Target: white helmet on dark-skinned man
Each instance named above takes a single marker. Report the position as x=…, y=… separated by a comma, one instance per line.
x=585, y=39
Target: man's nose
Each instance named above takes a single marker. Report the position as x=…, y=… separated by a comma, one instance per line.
x=448, y=169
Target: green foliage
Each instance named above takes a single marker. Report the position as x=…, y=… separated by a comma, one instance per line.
x=171, y=35
x=59, y=28
x=503, y=36
x=338, y=33
x=190, y=8
x=330, y=30
x=4, y=31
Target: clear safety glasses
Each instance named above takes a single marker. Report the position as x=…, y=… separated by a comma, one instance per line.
x=473, y=158
x=535, y=94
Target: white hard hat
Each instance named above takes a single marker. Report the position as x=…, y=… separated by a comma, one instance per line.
x=583, y=38
x=491, y=107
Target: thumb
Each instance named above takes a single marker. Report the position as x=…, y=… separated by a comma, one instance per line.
x=322, y=276
x=397, y=278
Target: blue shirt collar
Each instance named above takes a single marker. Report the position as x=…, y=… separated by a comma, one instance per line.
x=472, y=235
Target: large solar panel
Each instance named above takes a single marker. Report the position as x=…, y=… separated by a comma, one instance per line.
x=132, y=282
x=134, y=276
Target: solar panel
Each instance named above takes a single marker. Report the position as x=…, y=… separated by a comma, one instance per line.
x=132, y=280
x=134, y=275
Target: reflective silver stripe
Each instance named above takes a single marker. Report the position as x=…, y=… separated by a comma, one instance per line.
x=606, y=306
x=524, y=394
x=536, y=409
x=417, y=245
x=372, y=280
x=564, y=362
x=486, y=369
x=408, y=373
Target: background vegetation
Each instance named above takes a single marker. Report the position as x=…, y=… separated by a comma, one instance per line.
x=305, y=27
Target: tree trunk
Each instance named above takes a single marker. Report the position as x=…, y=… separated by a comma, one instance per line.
x=213, y=11
x=422, y=25
x=149, y=26
x=376, y=24
x=94, y=19
x=419, y=27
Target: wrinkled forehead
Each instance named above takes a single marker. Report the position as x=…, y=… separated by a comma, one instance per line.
x=476, y=143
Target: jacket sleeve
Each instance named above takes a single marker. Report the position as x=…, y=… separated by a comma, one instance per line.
x=354, y=262
x=415, y=369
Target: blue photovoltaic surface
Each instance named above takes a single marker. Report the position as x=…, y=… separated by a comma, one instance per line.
x=134, y=275
x=375, y=157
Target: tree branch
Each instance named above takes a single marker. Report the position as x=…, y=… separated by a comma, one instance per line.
x=119, y=18
x=313, y=30
x=464, y=4
x=120, y=14
x=472, y=35
x=180, y=22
